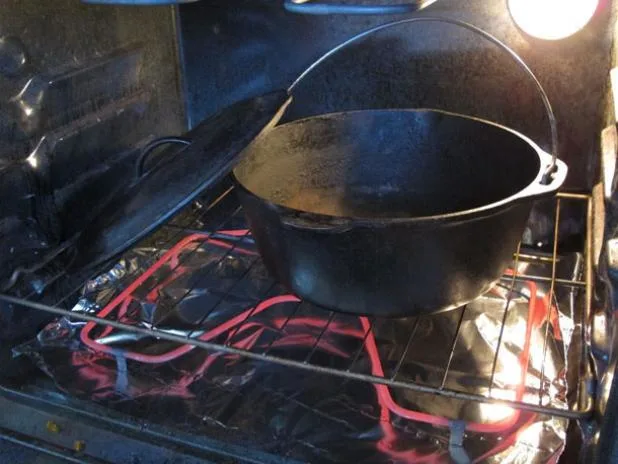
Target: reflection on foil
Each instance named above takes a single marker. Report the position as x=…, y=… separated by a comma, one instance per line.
x=208, y=288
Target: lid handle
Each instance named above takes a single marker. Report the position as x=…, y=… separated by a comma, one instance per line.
x=147, y=150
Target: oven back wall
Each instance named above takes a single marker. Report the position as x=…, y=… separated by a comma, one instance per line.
x=237, y=48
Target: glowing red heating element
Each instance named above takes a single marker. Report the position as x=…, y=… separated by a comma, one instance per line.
x=537, y=311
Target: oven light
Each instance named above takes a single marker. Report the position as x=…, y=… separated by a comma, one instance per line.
x=552, y=19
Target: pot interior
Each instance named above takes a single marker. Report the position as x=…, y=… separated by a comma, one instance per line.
x=388, y=164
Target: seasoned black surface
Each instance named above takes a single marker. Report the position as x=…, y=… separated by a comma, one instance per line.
x=349, y=210
x=388, y=164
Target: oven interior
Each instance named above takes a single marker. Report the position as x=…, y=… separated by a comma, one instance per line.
x=184, y=348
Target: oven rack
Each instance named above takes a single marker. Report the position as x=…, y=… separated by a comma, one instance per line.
x=203, y=216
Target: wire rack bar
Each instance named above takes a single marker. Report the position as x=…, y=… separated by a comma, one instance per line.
x=507, y=306
x=350, y=373
x=247, y=317
x=283, y=326
x=362, y=345
x=402, y=358
x=319, y=337
x=300, y=364
x=546, y=280
x=452, y=350
x=552, y=287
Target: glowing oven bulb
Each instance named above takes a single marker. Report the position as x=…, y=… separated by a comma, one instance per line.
x=552, y=19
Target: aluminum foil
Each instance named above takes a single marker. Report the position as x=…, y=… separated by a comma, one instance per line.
x=307, y=415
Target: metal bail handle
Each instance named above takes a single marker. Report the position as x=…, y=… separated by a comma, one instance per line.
x=427, y=19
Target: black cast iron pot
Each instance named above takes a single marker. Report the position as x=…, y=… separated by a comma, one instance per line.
x=393, y=212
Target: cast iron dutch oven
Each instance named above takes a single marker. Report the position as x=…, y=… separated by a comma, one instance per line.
x=393, y=212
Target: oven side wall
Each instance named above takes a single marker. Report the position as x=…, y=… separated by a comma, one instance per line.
x=80, y=87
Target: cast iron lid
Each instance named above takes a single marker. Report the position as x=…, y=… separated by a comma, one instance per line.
x=209, y=152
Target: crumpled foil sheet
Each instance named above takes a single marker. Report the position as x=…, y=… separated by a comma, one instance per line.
x=309, y=416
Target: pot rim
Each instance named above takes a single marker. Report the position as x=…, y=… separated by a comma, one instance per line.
x=536, y=189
